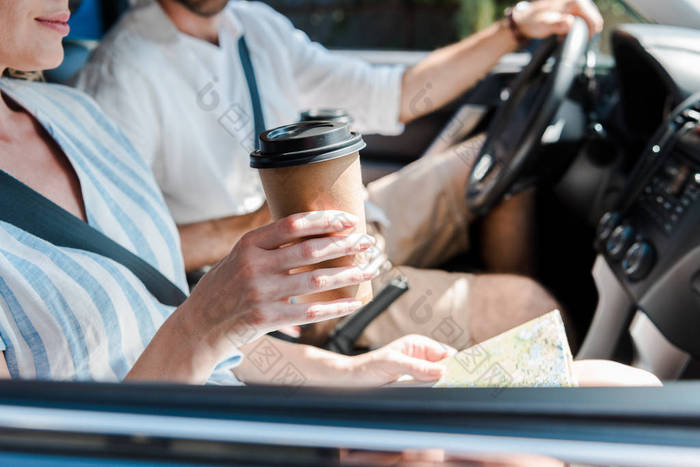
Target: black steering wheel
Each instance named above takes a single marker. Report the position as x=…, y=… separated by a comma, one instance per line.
x=518, y=126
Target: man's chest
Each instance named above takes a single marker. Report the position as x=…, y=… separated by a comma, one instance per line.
x=210, y=124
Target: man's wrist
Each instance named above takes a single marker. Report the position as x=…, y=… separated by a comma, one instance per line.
x=263, y=216
x=231, y=229
x=512, y=21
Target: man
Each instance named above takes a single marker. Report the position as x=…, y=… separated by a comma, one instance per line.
x=170, y=74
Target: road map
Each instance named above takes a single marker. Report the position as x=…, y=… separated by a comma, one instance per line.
x=534, y=354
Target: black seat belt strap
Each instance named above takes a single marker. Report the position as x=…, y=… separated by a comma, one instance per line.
x=28, y=210
x=258, y=116
x=349, y=330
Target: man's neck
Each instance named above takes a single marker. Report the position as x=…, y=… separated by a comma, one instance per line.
x=187, y=22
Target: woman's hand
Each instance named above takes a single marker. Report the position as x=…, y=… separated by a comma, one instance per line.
x=247, y=294
x=549, y=17
x=412, y=355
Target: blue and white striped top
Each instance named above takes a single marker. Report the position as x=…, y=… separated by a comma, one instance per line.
x=67, y=314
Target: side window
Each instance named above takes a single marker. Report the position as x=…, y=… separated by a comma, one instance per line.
x=408, y=24
x=615, y=12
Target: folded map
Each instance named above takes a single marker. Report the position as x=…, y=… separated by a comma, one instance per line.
x=534, y=354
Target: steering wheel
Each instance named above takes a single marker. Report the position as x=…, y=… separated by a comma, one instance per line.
x=518, y=126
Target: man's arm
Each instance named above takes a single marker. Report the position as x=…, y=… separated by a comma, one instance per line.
x=448, y=72
x=205, y=243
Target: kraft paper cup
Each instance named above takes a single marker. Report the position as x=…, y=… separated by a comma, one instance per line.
x=315, y=166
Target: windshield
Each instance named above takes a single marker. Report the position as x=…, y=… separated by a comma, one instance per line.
x=684, y=13
x=419, y=25
x=615, y=13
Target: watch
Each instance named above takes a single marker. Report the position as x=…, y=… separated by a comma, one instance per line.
x=513, y=25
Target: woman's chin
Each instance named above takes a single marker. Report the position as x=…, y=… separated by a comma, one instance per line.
x=48, y=59
x=53, y=62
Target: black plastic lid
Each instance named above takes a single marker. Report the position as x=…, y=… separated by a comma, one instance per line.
x=330, y=115
x=305, y=143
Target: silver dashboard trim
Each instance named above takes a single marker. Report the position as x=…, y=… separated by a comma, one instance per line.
x=653, y=352
x=611, y=315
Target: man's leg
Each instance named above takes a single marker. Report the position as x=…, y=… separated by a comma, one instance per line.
x=425, y=202
x=508, y=236
x=458, y=309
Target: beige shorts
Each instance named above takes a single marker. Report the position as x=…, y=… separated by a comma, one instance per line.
x=425, y=202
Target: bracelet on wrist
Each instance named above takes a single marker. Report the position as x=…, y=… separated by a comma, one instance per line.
x=513, y=26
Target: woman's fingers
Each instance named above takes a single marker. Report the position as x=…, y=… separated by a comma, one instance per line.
x=432, y=350
x=419, y=369
x=322, y=280
x=306, y=313
x=302, y=225
x=262, y=319
x=317, y=250
x=422, y=347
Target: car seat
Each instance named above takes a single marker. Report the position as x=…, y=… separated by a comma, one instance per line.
x=89, y=22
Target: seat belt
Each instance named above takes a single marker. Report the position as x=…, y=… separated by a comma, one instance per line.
x=348, y=331
x=28, y=210
x=258, y=117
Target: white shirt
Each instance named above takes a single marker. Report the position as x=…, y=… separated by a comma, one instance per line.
x=185, y=103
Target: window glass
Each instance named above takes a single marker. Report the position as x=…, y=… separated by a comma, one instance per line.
x=408, y=24
x=615, y=13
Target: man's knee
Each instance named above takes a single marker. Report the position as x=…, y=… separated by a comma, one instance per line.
x=533, y=298
x=513, y=292
x=501, y=302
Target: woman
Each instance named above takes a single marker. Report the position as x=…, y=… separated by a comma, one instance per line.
x=67, y=314
x=70, y=314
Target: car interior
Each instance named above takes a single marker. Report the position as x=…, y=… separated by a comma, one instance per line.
x=609, y=148
x=611, y=145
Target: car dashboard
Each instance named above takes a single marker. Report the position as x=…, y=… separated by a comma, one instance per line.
x=657, y=67
x=651, y=241
x=648, y=268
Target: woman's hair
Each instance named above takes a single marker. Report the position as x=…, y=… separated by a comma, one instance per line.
x=27, y=75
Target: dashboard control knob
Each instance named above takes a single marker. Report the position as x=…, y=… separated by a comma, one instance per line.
x=607, y=224
x=620, y=240
x=639, y=260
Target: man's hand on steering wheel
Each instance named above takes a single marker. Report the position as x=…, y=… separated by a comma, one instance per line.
x=534, y=98
x=544, y=18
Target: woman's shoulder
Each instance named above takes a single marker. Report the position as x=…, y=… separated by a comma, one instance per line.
x=72, y=109
x=48, y=96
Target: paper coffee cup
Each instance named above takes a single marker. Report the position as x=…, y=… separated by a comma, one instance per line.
x=315, y=166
